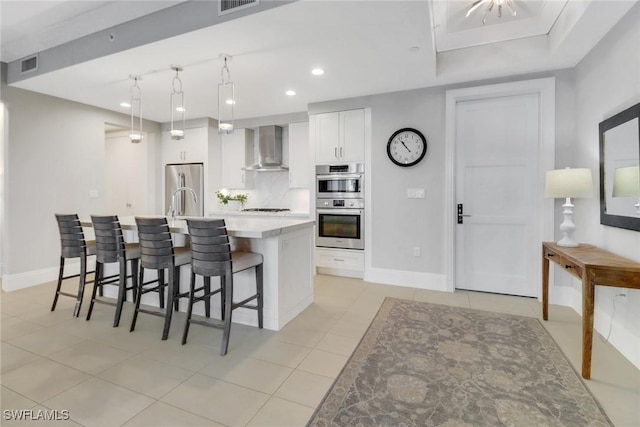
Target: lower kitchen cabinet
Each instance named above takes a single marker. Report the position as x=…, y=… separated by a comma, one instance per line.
x=340, y=262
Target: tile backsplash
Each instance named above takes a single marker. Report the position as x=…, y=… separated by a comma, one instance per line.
x=271, y=190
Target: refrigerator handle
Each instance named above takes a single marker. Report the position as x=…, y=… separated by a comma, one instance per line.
x=181, y=199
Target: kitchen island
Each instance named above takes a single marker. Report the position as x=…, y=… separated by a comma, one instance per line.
x=287, y=248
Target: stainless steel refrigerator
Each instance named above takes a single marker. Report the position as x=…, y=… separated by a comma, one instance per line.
x=190, y=175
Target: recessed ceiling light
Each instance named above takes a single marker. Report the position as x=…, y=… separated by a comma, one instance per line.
x=317, y=71
x=290, y=92
x=125, y=105
x=180, y=109
x=230, y=101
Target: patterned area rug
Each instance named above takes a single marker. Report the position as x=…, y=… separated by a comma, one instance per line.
x=422, y=364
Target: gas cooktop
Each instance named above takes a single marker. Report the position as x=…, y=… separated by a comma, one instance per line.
x=266, y=210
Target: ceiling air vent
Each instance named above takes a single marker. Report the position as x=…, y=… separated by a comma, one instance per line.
x=229, y=6
x=29, y=64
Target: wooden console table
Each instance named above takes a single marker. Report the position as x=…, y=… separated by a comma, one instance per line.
x=594, y=266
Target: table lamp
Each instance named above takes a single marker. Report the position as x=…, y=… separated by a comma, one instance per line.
x=626, y=183
x=567, y=183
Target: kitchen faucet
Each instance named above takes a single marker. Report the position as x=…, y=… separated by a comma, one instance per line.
x=172, y=208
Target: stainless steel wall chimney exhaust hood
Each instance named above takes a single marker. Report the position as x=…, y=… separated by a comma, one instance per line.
x=269, y=150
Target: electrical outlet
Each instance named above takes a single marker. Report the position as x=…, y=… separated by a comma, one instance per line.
x=416, y=251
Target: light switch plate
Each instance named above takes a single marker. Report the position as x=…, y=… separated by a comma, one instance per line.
x=415, y=193
x=93, y=194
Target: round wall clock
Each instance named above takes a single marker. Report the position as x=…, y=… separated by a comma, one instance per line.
x=407, y=147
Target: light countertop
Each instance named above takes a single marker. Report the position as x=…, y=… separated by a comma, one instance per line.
x=247, y=227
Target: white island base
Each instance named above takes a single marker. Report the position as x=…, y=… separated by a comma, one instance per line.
x=287, y=249
x=288, y=278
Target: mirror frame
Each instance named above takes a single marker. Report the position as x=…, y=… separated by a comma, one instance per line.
x=620, y=221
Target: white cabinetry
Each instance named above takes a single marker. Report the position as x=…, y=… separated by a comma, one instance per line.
x=191, y=149
x=339, y=136
x=299, y=165
x=340, y=262
x=237, y=152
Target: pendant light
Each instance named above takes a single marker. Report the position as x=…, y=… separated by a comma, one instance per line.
x=177, y=105
x=136, y=108
x=226, y=99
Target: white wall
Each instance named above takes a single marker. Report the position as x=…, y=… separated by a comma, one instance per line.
x=56, y=156
x=607, y=81
x=3, y=171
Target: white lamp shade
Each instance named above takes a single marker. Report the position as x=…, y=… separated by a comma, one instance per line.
x=561, y=183
x=626, y=182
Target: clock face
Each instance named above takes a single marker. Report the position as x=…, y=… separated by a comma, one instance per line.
x=406, y=147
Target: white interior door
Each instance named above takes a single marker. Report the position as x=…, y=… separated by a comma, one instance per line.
x=497, y=142
x=126, y=176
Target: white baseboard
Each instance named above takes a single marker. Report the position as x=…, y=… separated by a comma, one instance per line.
x=14, y=282
x=413, y=279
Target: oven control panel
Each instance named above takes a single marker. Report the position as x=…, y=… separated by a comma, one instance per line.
x=340, y=203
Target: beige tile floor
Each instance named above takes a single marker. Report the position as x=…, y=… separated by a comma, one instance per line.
x=107, y=376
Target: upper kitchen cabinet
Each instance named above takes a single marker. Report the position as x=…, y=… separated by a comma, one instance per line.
x=191, y=149
x=339, y=136
x=237, y=153
x=299, y=166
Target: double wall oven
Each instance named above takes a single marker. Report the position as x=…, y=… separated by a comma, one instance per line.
x=340, y=206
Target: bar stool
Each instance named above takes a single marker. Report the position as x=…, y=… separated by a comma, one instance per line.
x=158, y=253
x=211, y=256
x=111, y=248
x=73, y=245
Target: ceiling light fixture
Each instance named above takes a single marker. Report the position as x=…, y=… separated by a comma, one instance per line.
x=177, y=104
x=125, y=104
x=226, y=99
x=135, y=135
x=317, y=71
x=290, y=92
x=491, y=4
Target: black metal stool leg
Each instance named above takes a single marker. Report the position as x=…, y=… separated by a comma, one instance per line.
x=169, y=307
x=192, y=291
x=60, y=275
x=97, y=283
x=259, y=291
x=122, y=291
x=176, y=288
x=207, y=294
x=161, y=286
x=134, y=277
x=228, y=302
x=83, y=281
x=138, y=298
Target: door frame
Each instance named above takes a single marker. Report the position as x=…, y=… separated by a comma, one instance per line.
x=545, y=89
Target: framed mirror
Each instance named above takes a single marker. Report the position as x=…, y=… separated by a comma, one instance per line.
x=620, y=170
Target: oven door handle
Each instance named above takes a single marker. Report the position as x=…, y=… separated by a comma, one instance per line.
x=340, y=176
x=338, y=211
